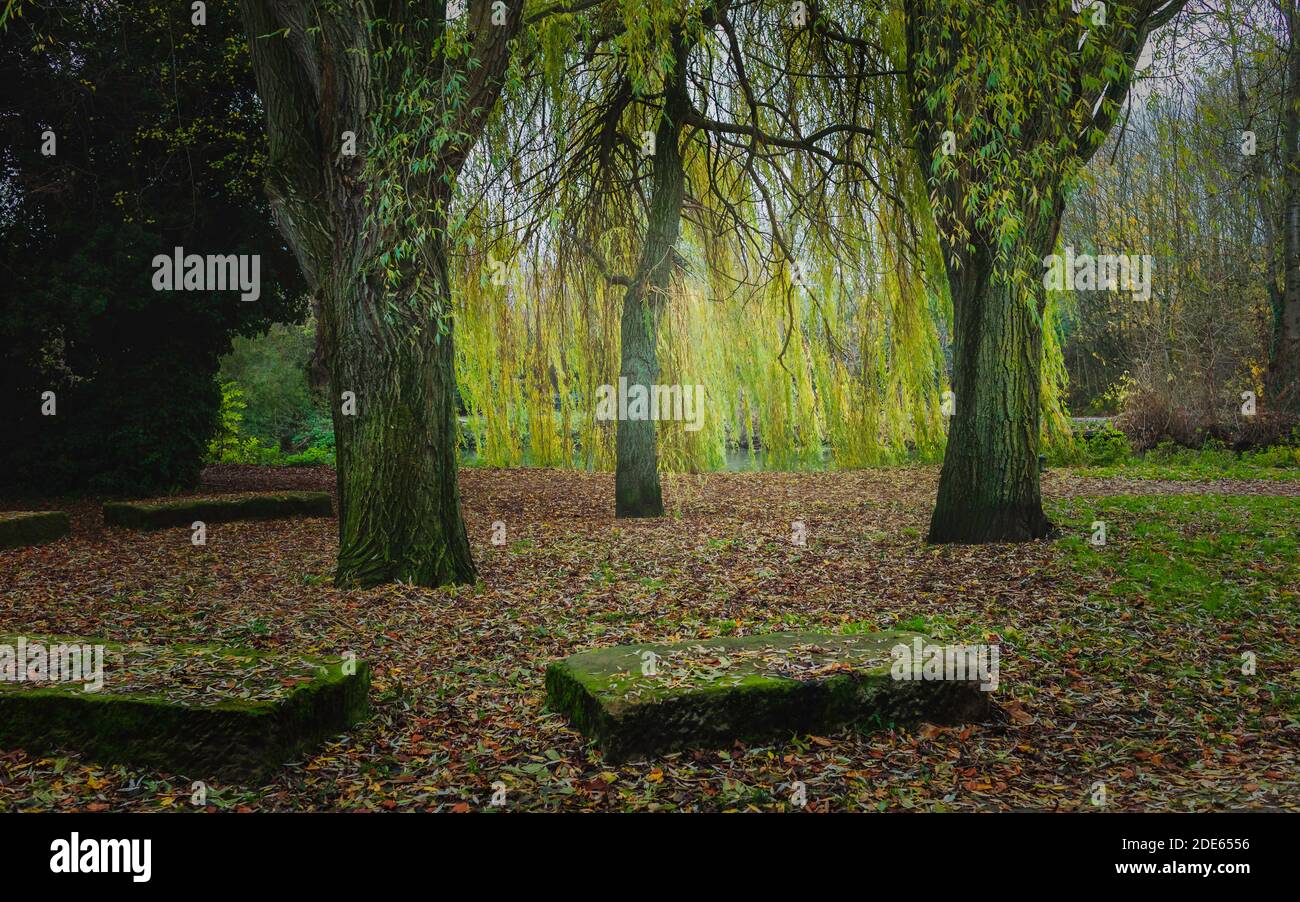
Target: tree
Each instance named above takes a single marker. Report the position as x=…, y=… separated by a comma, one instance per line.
x=743, y=128
x=368, y=223
x=1283, y=380
x=636, y=480
x=1009, y=101
x=1195, y=176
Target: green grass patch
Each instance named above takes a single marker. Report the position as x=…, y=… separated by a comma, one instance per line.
x=1223, y=553
x=1195, y=596
x=1171, y=462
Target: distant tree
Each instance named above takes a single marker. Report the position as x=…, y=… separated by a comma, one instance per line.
x=741, y=134
x=1284, y=360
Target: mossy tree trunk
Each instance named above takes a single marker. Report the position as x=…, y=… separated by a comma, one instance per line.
x=1283, y=375
x=399, y=500
x=637, y=492
x=989, y=485
x=997, y=155
x=323, y=72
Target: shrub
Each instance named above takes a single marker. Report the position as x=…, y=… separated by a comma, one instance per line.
x=313, y=457
x=132, y=368
x=271, y=370
x=316, y=432
x=232, y=445
x=1106, y=447
x=140, y=426
x=1153, y=413
x=1278, y=456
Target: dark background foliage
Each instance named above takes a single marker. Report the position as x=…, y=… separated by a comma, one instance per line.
x=159, y=144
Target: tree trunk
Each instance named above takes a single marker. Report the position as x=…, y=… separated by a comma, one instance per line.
x=323, y=72
x=399, y=499
x=1283, y=377
x=637, y=492
x=989, y=486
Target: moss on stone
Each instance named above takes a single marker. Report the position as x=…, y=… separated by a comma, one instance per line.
x=709, y=693
x=18, y=528
x=225, y=736
x=183, y=512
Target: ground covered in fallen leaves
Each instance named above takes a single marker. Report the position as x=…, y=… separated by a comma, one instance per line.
x=1121, y=664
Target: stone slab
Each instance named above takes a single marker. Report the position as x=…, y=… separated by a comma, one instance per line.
x=19, y=528
x=710, y=693
x=183, y=512
x=188, y=709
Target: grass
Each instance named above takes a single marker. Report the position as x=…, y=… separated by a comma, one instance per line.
x=1171, y=462
x=1218, y=574
x=1202, y=548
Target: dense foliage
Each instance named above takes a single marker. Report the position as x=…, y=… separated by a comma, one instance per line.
x=157, y=143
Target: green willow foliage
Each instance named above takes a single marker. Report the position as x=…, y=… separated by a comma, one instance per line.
x=1003, y=88
x=813, y=308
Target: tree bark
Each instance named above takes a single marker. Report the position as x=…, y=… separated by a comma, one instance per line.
x=637, y=492
x=1283, y=375
x=989, y=486
x=323, y=71
x=399, y=499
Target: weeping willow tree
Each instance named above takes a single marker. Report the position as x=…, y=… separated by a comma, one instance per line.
x=372, y=110
x=1009, y=101
x=796, y=288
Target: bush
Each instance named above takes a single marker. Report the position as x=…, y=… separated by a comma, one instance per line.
x=1106, y=447
x=1154, y=414
x=140, y=426
x=316, y=432
x=1283, y=456
x=132, y=369
x=232, y=445
x=269, y=415
x=271, y=371
x=312, y=457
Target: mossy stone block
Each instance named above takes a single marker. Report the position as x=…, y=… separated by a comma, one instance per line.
x=183, y=512
x=18, y=528
x=199, y=711
x=710, y=693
